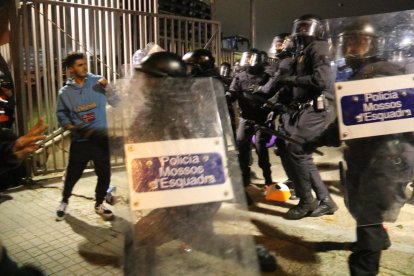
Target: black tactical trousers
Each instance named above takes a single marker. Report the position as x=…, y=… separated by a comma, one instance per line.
x=379, y=169
x=245, y=132
x=365, y=259
x=281, y=146
x=80, y=154
x=307, y=126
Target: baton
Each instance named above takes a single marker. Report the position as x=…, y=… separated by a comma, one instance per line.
x=284, y=137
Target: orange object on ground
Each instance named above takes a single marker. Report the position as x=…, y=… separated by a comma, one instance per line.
x=278, y=192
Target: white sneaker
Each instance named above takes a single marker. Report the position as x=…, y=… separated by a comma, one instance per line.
x=104, y=212
x=60, y=213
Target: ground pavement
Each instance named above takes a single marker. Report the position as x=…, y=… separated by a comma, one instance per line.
x=84, y=244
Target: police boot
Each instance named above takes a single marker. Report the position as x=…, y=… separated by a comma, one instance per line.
x=305, y=207
x=267, y=261
x=326, y=207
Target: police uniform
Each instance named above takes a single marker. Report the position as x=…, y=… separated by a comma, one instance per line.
x=312, y=77
x=283, y=95
x=251, y=114
x=378, y=171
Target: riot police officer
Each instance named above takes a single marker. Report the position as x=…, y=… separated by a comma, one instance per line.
x=277, y=44
x=312, y=80
x=251, y=114
x=165, y=91
x=164, y=72
x=283, y=66
x=225, y=70
x=378, y=168
x=226, y=78
x=201, y=63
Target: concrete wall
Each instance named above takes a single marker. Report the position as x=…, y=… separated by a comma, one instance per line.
x=276, y=16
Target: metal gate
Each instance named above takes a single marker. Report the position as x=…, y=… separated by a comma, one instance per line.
x=109, y=32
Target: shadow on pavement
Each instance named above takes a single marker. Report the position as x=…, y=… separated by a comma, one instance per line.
x=262, y=210
x=5, y=197
x=93, y=249
x=327, y=166
x=294, y=248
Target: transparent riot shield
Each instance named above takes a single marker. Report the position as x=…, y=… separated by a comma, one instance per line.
x=180, y=201
x=375, y=107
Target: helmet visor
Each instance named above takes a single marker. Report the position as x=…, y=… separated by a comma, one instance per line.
x=358, y=45
x=225, y=71
x=249, y=59
x=276, y=46
x=306, y=28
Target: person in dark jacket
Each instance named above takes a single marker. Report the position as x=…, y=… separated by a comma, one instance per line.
x=251, y=114
x=311, y=81
x=13, y=150
x=283, y=66
x=379, y=168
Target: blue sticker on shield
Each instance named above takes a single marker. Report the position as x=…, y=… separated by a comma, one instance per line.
x=378, y=107
x=177, y=172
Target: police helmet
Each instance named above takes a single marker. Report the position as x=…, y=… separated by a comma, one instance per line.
x=162, y=64
x=264, y=57
x=359, y=40
x=277, y=43
x=225, y=70
x=252, y=57
x=199, y=62
x=308, y=25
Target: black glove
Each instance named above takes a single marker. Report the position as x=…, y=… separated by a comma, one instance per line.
x=287, y=80
x=277, y=108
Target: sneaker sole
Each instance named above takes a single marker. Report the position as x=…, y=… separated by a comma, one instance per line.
x=60, y=218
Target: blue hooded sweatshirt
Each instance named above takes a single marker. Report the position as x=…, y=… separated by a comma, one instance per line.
x=85, y=106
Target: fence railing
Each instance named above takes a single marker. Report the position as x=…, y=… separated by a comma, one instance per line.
x=109, y=35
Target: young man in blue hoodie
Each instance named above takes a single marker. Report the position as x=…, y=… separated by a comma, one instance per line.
x=81, y=108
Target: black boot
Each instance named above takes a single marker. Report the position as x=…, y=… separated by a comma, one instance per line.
x=305, y=207
x=267, y=261
x=326, y=207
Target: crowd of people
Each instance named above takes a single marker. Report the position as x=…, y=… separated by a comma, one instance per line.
x=297, y=89
x=301, y=80
x=293, y=94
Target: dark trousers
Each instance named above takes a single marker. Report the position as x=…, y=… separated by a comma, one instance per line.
x=281, y=146
x=245, y=132
x=307, y=127
x=379, y=169
x=80, y=154
x=365, y=259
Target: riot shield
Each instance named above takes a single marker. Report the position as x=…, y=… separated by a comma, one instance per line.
x=375, y=107
x=182, y=201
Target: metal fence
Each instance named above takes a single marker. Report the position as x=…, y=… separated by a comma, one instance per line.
x=109, y=35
